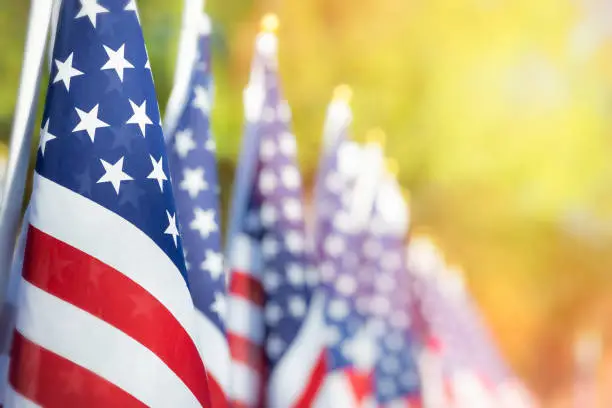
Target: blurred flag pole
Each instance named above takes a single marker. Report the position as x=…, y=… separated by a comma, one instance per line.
x=587, y=355
x=186, y=55
x=21, y=134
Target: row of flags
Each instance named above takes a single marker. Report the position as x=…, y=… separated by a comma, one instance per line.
x=123, y=294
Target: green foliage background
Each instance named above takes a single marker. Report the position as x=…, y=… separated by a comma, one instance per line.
x=498, y=112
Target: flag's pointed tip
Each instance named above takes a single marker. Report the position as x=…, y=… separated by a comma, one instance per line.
x=270, y=23
x=343, y=93
x=377, y=136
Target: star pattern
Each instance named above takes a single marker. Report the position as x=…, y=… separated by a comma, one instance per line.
x=158, y=172
x=140, y=117
x=114, y=174
x=193, y=169
x=90, y=9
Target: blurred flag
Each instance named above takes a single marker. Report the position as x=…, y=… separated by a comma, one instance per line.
x=275, y=324
x=397, y=381
x=352, y=346
x=191, y=152
x=104, y=314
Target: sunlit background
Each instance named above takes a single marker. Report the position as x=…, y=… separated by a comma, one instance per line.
x=498, y=111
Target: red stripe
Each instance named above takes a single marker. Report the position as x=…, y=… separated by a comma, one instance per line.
x=95, y=287
x=314, y=383
x=53, y=381
x=246, y=352
x=217, y=396
x=244, y=285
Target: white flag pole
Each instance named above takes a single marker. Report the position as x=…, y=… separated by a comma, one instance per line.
x=187, y=53
x=21, y=134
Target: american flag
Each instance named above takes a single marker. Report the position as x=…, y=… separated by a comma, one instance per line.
x=351, y=345
x=271, y=278
x=472, y=371
x=191, y=152
x=105, y=317
x=397, y=381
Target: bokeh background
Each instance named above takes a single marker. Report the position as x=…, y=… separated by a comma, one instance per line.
x=499, y=113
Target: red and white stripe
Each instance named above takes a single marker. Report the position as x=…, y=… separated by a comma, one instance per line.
x=245, y=324
x=104, y=316
x=298, y=377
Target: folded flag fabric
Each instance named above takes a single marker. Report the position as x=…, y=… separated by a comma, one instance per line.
x=104, y=316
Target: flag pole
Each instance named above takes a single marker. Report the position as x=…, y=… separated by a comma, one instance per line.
x=186, y=55
x=21, y=134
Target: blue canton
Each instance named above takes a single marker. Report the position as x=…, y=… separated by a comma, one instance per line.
x=101, y=135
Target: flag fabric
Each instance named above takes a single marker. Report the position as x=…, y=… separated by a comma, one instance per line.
x=397, y=381
x=104, y=316
x=278, y=362
x=351, y=344
x=193, y=167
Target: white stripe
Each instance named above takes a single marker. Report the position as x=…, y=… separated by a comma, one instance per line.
x=336, y=393
x=15, y=400
x=214, y=350
x=292, y=374
x=245, y=384
x=89, y=342
x=99, y=232
x=245, y=319
x=246, y=256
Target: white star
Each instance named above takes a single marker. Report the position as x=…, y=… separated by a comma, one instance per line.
x=116, y=60
x=297, y=306
x=346, y=284
x=267, y=149
x=332, y=336
x=328, y=271
x=158, y=172
x=338, y=309
x=271, y=280
x=131, y=6
x=65, y=72
x=268, y=114
x=201, y=100
x=204, y=222
x=45, y=137
x=273, y=313
x=219, y=306
x=290, y=177
x=384, y=283
x=275, y=346
x=295, y=274
x=269, y=246
x=140, y=117
x=391, y=261
x=292, y=208
x=284, y=111
x=172, y=228
x=361, y=350
x=267, y=182
x=380, y=305
x=114, y=174
x=148, y=66
x=210, y=145
x=193, y=181
x=213, y=263
x=294, y=242
x=90, y=9
x=287, y=144
x=268, y=215
x=184, y=143
x=89, y=122
x=334, y=245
